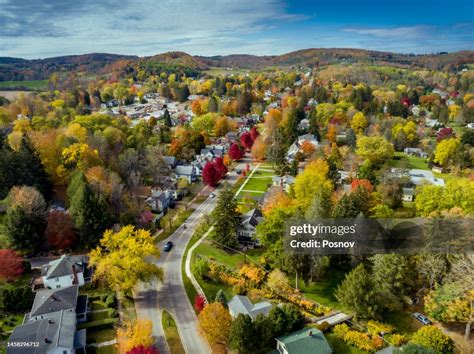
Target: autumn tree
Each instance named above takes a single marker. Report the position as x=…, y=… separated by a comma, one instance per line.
x=220, y=165
x=11, y=265
x=246, y=140
x=215, y=322
x=26, y=218
x=120, y=258
x=308, y=148
x=243, y=337
x=446, y=150
x=433, y=338
x=359, y=122
x=199, y=302
x=258, y=149
x=60, y=230
x=235, y=152
x=133, y=334
x=374, y=148
x=254, y=133
x=311, y=181
x=226, y=218
x=141, y=349
x=211, y=175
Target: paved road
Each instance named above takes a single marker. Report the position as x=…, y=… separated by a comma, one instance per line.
x=151, y=299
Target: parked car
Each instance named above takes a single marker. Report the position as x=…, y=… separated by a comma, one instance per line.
x=168, y=246
x=422, y=318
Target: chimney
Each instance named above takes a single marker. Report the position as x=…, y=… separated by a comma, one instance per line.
x=50, y=321
x=76, y=280
x=46, y=340
x=310, y=333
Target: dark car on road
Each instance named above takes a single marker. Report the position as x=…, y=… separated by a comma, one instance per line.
x=422, y=318
x=168, y=246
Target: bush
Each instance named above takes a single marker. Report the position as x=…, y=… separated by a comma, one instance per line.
x=103, y=297
x=111, y=301
x=375, y=328
x=112, y=312
x=433, y=338
x=360, y=340
x=201, y=268
x=340, y=330
x=15, y=299
x=396, y=339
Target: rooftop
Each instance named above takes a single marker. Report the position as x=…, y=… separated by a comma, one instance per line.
x=306, y=341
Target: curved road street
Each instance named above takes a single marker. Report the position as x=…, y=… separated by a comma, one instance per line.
x=152, y=298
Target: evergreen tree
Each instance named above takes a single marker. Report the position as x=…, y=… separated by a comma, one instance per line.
x=167, y=118
x=226, y=218
x=22, y=168
x=26, y=219
x=243, y=337
x=88, y=211
x=357, y=293
x=213, y=106
x=351, y=138
x=220, y=297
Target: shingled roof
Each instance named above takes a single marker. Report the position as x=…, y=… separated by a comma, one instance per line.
x=53, y=300
x=62, y=267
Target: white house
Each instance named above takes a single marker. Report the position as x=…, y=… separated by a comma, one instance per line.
x=248, y=226
x=63, y=272
x=241, y=305
x=296, y=146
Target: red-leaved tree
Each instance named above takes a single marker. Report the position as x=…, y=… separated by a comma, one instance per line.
x=199, y=303
x=235, y=152
x=60, y=230
x=11, y=265
x=143, y=350
x=211, y=174
x=254, y=133
x=219, y=162
x=444, y=133
x=246, y=140
x=364, y=183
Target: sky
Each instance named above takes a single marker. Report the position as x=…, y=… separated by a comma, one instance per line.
x=46, y=28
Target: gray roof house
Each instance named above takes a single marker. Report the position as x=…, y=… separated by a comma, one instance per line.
x=160, y=200
x=247, y=228
x=170, y=161
x=50, y=301
x=241, y=305
x=415, y=152
x=65, y=271
x=55, y=334
x=188, y=172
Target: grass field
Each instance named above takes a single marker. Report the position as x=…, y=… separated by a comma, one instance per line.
x=30, y=85
x=217, y=71
x=322, y=290
x=171, y=333
x=231, y=260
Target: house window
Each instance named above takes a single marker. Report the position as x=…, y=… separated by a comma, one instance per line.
x=57, y=280
x=58, y=286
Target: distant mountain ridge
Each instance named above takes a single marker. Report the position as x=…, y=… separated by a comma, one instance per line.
x=17, y=69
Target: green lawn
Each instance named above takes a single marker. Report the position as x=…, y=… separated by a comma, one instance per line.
x=232, y=260
x=402, y=160
x=211, y=289
x=31, y=85
x=100, y=335
x=97, y=316
x=322, y=291
x=171, y=333
x=258, y=184
x=340, y=347
x=217, y=71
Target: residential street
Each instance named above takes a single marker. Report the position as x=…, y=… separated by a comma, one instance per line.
x=151, y=299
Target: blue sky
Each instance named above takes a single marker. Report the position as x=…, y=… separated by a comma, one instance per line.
x=46, y=28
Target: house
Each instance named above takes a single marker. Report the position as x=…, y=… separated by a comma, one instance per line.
x=419, y=177
x=240, y=304
x=160, y=200
x=170, y=161
x=188, y=172
x=56, y=334
x=247, y=228
x=304, y=341
x=296, y=146
x=208, y=154
x=63, y=272
x=50, y=301
x=303, y=124
x=408, y=194
x=415, y=152
x=432, y=123
x=283, y=182
x=231, y=137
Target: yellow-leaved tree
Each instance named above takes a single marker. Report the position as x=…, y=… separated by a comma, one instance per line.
x=134, y=334
x=312, y=181
x=215, y=323
x=120, y=259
